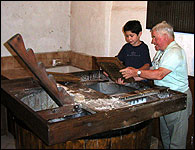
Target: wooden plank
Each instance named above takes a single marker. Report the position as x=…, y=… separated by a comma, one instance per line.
x=129, y=140
x=92, y=144
x=38, y=69
x=14, y=62
x=103, y=143
x=76, y=144
x=27, y=115
x=57, y=112
x=20, y=87
x=48, y=57
x=59, y=132
x=11, y=62
x=89, y=125
x=4, y=122
x=112, y=66
x=81, y=60
x=116, y=142
x=16, y=73
x=64, y=77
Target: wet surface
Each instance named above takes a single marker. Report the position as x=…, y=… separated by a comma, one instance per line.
x=110, y=88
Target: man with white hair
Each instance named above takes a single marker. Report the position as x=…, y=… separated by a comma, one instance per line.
x=169, y=69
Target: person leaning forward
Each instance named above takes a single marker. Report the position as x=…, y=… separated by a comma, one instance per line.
x=134, y=53
x=169, y=69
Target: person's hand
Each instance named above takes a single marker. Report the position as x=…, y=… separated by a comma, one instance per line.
x=120, y=81
x=129, y=72
x=105, y=73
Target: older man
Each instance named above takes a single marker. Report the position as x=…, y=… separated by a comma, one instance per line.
x=169, y=69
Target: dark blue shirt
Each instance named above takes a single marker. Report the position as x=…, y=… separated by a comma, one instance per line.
x=134, y=56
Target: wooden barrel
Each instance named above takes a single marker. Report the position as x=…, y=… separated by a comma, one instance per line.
x=133, y=137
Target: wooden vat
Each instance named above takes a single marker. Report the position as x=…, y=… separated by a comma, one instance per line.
x=81, y=126
x=38, y=121
x=133, y=137
x=74, y=114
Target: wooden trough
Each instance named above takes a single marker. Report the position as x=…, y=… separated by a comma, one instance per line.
x=86, y=113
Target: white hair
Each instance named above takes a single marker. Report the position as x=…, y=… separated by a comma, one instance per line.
x=164, y=28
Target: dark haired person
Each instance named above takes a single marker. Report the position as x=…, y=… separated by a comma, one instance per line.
x=134, y=53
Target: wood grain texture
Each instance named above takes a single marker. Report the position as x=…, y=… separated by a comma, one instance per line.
x=112, y=66
x=134, y=140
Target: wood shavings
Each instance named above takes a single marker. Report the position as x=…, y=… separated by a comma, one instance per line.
x=76, y=96
x=99, y=104
x=104, y=104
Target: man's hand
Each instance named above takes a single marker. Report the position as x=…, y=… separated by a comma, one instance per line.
x=120, y=81
x=129, y=72
x=105, y=73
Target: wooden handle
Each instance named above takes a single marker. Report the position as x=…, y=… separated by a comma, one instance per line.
x=38, y=69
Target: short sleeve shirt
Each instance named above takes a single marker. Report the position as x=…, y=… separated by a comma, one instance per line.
x=134, y=56
x=172, y=58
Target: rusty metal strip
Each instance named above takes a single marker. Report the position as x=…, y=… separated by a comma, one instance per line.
x=48, y=83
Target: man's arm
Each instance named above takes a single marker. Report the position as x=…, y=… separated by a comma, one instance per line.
x=157, y=74
x=145, y=67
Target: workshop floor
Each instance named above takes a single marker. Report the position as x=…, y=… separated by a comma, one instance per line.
x=7, y=141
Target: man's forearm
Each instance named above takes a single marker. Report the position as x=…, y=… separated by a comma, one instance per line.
x=145, y=67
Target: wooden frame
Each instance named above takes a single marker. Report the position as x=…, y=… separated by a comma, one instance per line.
x=57, y=132
x=112, y=66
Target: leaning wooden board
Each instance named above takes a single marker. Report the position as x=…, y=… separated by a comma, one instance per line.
x=112, y=66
